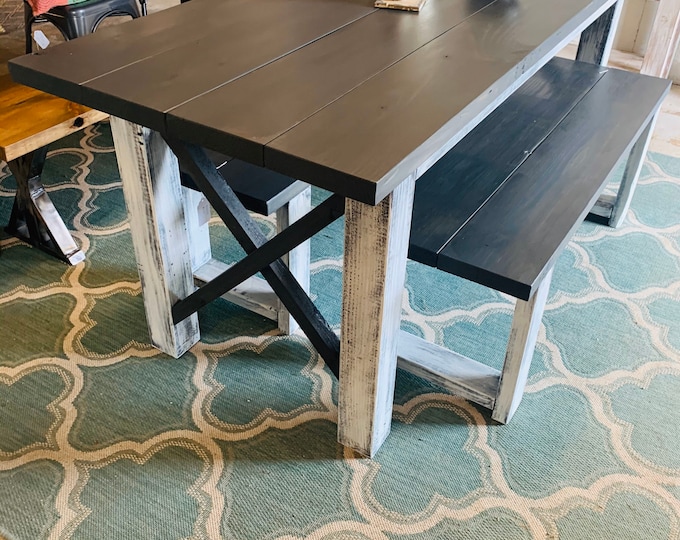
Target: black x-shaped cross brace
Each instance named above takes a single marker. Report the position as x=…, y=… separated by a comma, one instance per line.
x=263, y=255
x=34, y=219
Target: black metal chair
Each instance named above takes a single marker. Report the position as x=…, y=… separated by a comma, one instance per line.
x=78, y=20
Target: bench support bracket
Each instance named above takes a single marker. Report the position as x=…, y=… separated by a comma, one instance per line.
x=526, y=323
x=34, y=219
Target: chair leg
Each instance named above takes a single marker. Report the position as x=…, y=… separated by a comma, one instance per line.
x=520, y=351
x=34, y=219
x=297, y=259
x=28, y=28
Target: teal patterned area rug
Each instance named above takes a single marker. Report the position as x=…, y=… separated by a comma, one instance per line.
x=103, y=437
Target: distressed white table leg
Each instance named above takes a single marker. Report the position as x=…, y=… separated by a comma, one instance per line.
x=297, y=259
x=153, y=196
x=631, y=175
x=525, y=325
x=374, y=270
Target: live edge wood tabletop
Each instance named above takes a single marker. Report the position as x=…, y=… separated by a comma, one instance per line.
x=357, y=100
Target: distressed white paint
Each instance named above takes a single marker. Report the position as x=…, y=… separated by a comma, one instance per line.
x=525, y=325
x=631, y=175
x=297, y=259
x=197, y=217
x=374, y=270
x=153, y=195
x=457, y=373
x=254, y=294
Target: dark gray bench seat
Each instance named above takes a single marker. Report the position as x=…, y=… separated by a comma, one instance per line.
x=499, y=208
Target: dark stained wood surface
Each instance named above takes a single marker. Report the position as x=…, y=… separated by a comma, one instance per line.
x=476, y=167
x=254, y=110
x=250, y=38
x=513, y=240
x=63, y=68
x=366, y=143
x=360, y=139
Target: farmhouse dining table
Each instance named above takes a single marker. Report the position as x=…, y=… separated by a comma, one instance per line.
x=356, y=100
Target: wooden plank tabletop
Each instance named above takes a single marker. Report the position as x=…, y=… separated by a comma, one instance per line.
x=305, y=82
x=416, y=110
x=333, y=92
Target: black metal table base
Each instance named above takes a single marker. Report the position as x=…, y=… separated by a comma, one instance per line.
x=34, y=219
x=263, y=255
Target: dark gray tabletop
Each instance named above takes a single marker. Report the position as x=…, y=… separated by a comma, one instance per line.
x=333, y=92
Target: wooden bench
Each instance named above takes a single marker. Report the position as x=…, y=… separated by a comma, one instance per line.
x=264, y=192
x=499, y=208
x=29, y=121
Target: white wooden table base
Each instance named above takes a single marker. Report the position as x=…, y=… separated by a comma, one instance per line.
x=374, y=272
x=153, y=195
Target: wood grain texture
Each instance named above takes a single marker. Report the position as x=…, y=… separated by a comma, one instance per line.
x=31, y=119
x=449, y=193
x=393, y=124
x=253, y=110
x=526, y=323
x=249, y=37
x=663, y=40
x=513, y=240
x=62, y=69
x=456, y=373
x=153, y=196
x=374, y=271
x=395, y=119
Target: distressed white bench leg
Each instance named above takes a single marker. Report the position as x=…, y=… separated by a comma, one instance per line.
x=525, y=325
x=613, y=208
x=297, y=259
x=631, y=174
x=374, y=270
x=153, y=196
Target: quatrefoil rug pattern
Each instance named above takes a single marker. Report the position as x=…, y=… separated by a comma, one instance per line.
x=102, y=436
